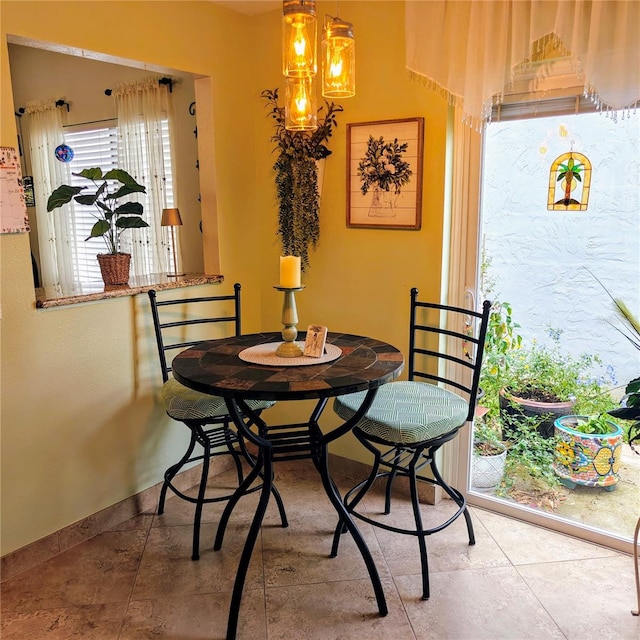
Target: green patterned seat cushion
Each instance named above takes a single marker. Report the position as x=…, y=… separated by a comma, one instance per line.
x=183, y=403
x=407, y=412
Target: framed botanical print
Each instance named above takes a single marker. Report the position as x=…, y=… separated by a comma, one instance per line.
x=384, y=174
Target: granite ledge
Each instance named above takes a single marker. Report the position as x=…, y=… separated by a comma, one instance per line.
x=50, y=297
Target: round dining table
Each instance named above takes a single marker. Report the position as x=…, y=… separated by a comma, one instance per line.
x=242, y=368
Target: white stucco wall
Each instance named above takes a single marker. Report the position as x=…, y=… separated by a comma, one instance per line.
x=539, y=258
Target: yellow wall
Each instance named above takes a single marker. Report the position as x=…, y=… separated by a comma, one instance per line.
x=81, y=425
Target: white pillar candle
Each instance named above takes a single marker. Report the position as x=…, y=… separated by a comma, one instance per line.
x=290, y=272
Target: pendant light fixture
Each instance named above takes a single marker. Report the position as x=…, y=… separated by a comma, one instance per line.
x=301, y=113
x=299, y=62
x=299, y=28
x=338, y=59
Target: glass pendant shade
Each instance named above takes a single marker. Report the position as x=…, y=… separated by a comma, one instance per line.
x=339, y=60
x=299, y=27
x=300, y=105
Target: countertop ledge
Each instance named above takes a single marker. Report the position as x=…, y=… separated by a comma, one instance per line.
x=47, y=297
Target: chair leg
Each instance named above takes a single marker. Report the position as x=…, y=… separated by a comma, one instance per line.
x=457, y=497
x=391, y=477
x=173, y=470
x=415, y=503
x=195, y=555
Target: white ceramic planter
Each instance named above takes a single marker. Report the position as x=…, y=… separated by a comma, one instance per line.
x=487, y=471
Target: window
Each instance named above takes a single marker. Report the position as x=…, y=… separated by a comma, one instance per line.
x=98, y=147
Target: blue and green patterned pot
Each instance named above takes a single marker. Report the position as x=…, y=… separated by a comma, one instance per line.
x=589, y=459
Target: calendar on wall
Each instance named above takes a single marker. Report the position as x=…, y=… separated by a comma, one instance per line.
x=13, y=206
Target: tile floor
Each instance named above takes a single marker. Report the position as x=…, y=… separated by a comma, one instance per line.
x=138, y=581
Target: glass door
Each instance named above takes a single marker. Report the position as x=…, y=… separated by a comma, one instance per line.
x=558, y=238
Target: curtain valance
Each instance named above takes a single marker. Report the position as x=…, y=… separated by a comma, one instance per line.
x=470, y=50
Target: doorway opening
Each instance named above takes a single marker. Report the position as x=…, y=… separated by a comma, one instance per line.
x=551, y=272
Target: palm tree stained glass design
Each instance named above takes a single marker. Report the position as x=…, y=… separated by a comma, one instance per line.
x=569, y=182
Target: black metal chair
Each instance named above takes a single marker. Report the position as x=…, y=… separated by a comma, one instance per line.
x=410, y=420
x=205, y=415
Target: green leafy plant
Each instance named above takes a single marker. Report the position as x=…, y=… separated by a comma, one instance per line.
x=547, y=374
x=529, y=477
x=297, y=177
x=383, y=166
x=486, y=436
x=630, y=409
x=592, y=424
x=112, y=218
x=501, y=341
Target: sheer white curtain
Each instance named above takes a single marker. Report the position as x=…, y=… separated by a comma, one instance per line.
x=471, y=50
x=43, y=128
x=141, y=108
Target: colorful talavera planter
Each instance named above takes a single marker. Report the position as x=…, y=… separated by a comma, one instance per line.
x=589, y=459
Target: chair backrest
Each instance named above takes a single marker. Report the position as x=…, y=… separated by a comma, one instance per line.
x=446, y=345
x=182, y=312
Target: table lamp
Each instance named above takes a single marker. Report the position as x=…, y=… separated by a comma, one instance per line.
x=171, y=218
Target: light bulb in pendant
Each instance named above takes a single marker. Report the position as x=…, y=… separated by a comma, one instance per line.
x=299, y=38
x=338, y=50
x=300, y=105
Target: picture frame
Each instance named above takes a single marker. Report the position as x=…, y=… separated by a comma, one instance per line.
x=315, y=341
x=384, y=174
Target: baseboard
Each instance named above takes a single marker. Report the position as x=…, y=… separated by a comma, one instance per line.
x=34, y=554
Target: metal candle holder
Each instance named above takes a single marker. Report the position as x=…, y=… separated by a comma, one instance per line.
x=289, y=349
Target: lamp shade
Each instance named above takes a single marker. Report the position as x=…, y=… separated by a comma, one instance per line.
x=299, y=27
x=171, y=218
x=339, y=66
x=300, y=105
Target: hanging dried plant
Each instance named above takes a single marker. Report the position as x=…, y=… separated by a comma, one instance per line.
x=297, y=177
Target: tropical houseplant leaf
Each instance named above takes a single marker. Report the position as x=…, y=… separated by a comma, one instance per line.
x=111, y=218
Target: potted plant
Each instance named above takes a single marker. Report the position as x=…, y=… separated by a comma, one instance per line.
x=297, y=177
x=588, y=451
x=112, y=218
x=489, y=454
x=529, y=478
x=546, y=383
x=630, y=404
x=501, y=341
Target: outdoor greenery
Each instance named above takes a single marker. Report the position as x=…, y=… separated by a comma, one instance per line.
x=111, y=218
x=537, y=372
x=486, y=438
x=630, y=409
x=534, y=371
x=529, y=477
x=599, y=423
x=540, y=372
x=630, y=412
x=297, y=177
x=546, y=374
